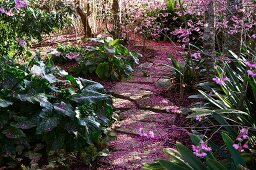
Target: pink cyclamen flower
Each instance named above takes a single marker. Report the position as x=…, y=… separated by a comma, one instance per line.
x=254, y=36
x=220, y=81
x=250, y=64
x=21, y=4
x=252, y=73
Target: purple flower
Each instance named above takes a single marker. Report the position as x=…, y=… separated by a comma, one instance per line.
x=151, y=134
x=200, y=150
x=55, y=52
x=22, y=43
x=196, y=55
x=250, y=64
x=72, y=56
x=252, y=73
x=2, y=10
x=205, y=147
x=142, y=133
x=220, y=81
x=236, y=146
x=9, y=13
x=21, y=4
x=244, y=133
x=245, y=146
x=254, y=36
x=198, y=118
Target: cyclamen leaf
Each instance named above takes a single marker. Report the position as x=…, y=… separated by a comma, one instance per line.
x=102, y=70
x=14, y=133
x=47, y=125
x=64, y=108
x=24, y=124
x=5, y=103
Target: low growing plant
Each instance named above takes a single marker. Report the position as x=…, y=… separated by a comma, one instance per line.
x=108, y=59
x=46, y=113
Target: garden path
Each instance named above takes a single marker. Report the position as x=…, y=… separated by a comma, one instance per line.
x=147, y=118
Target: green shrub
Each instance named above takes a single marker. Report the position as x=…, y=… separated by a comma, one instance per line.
x=108, y=60
x=27, y=23
x=47, y=113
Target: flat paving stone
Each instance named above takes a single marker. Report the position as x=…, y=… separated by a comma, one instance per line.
x=150, y=80
x=134, y=91
x=123, y=103
x=158, y=103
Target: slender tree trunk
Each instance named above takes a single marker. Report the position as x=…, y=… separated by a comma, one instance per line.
x=209, y=36
x=84, y=17
x=116, y=19
x=253, y=46
x=233, y=41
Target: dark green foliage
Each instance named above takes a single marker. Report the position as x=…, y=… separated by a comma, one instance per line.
x=108, y=59
x=47, y=113
x=183, y=159
x=29, y=23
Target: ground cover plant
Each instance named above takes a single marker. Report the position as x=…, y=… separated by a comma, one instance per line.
x=109, y=59
x=46, y=112
x=49, y=118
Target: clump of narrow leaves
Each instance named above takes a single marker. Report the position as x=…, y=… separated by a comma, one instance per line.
x=182, y=158
x=46, y=113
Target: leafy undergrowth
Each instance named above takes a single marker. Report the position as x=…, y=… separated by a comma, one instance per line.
x=50, y=118
x=108, y=59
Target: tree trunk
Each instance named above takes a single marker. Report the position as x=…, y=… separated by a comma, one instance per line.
x=233, y=41
x=116, y=19
x=84, y=17
x=209, y=36
x=253, y=46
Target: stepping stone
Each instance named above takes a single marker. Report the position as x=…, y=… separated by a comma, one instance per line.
x=158, y=103
x=145, y=65
x=163, y=83
x=143, y=80
x=148, y=116
x=133, y=91
x=122, y=103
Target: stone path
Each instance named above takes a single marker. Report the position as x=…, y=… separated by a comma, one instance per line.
x=146, y=117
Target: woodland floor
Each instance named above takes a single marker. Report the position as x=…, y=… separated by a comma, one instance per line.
x=145, y=101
